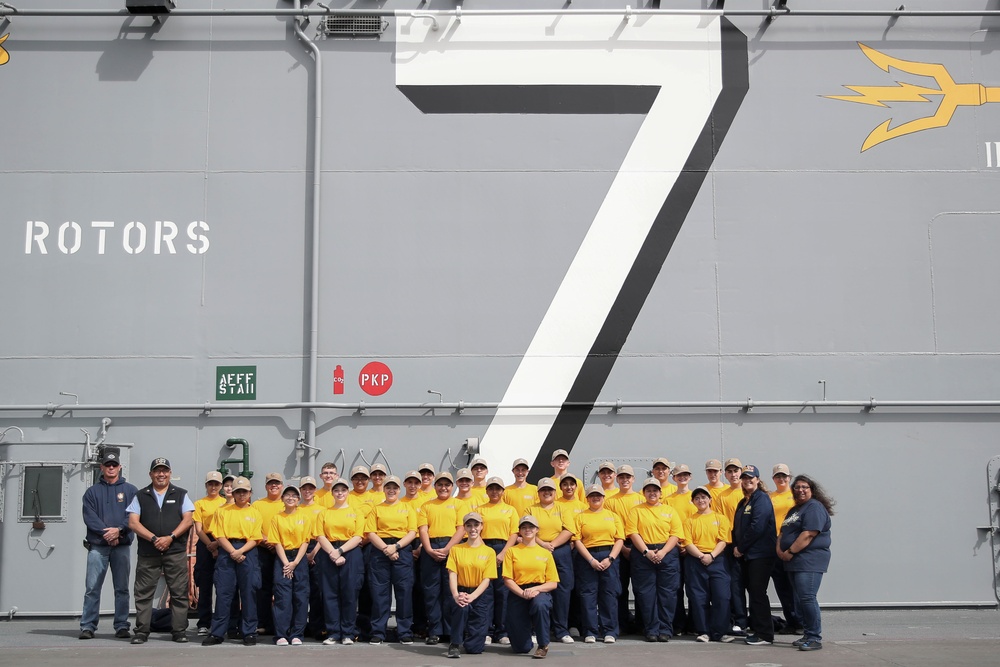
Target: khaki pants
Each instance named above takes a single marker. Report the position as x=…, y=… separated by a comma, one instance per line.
x=147, y=573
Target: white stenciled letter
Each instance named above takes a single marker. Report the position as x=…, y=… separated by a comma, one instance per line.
x=127, y=238
x=192, y=232
x=166, y=231
x=77, y=237
x=35, y=233
x=102, y=226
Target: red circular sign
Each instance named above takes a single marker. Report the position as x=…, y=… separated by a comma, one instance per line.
x=375, y=378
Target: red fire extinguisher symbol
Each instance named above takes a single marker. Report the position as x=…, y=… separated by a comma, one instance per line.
x=338, y=380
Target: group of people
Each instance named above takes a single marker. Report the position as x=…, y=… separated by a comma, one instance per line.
x=483, y=563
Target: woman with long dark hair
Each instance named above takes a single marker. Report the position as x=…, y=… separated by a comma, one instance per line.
x=804, y=546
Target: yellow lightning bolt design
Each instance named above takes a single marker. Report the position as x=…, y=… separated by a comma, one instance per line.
x=953, y=95
x=4, y=56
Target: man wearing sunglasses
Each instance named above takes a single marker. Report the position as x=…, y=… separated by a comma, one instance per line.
x=108, y=540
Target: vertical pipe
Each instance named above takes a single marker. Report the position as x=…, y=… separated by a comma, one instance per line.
x=314, y=268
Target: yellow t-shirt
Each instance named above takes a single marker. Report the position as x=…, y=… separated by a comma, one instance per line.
x=715, y=492
x=666, y=489
x=314, y=511
x=579, y=487
x=550, y=521
x=465, y=505
x=682, y=503
x=655, y=525
x=472, y=564
x=706, y=530
x=782, y=502
x=529, y=565
x=415, y=503
x=570, y=508
x=623, y=503
x=499, y=520
x=291, y=531
x=725, y=503
x=340, y=525
x=441, y=517
x=521, y=498
x=427, y=494
x=479, y=493
x=235, y=523
x=599, y=529
x=205, y=508
x=394, y=520
x=267, y=509
x=609, y=493
x=324, y=497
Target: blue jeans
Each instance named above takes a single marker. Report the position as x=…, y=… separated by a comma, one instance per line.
x=806, y=585
x=98, y=559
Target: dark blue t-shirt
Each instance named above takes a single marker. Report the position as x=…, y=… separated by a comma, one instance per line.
x=808, y=516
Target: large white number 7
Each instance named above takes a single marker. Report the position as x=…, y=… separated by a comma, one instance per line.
x=688, y=75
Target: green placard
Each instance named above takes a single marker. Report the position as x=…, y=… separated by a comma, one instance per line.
x=236, y=383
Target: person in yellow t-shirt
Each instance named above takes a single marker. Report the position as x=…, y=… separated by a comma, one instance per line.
x=480, y=473
x=466, y=499
x=206, y=548
x=705, y=574
x=520, y=495
x=339, y=532
x=554, y=533
x=569, y=489
x=378, y=474
x=680, y=500
x=782, y=501
x=315, y=625
x=621, y=505
x=290, y=531
x=440, y=527
x=268, y=506
x=237, y=528
x=427, y=477
x=655, y=530
x=724, y=502
x=500, y=534
x=661, y=471
x=606, y=472
x=391, y=528
x=599, y=538
x=560, y=471
x=328, y=474
x=529, y=573
x=472, y=566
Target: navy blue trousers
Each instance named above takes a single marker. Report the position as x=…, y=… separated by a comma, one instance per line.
x=598, y=593
x=469, y=624
x=291, y=599
x=561, y=595
x=265, y=594
x=708, y=596
x=385, y=578
x=232, y=578
x=525, y=615
x=498, y=629
x=340, y=586
x=204, y=578
x=656, y=587
x=434, y=579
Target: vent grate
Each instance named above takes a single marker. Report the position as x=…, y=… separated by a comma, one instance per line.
x=353, y=26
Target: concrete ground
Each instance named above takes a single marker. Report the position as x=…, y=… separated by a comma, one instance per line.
x=867, y=637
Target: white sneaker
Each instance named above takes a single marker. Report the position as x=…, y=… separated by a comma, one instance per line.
x=281, y=642
x=590, y=639
x=505, y=641
x=737, y=629
x=701, y=638
x=489, y=640
x=346, y=641
x=567, y=639
x=296, y=642
x=727, y=639
x=329, y=641
x=202, y=632
x=608, y=639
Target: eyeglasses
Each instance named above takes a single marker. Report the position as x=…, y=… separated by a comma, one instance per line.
x=801, y=488
x=111, y=464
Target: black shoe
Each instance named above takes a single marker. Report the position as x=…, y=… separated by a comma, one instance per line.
x=122, y=633
x=811, y=645
x=406, y=639
x=651, y=638
x=179, y=637
x=250, y=640
x=454, y=651
x=663, y=638
x=235, y=634
x=432, y=640
x=212, y=640
x=139, y=638
x=89, y=634
x=754, y=640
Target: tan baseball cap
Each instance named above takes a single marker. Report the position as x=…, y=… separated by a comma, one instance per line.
x=626, y=470
x=341, y=482
x=213, y=476
x=463, y=473
x=426, y=466
x=558, y=453
x=713, y=464
x=273, y=477
x=495, y=481
x=701, y=489
x=733, y=462
x=606, y=465
x=392, y=479
x=291, y=487
x=595, y=488
x=241, y=483
x=359, y=470
x=527, y=518
x=478, y=461
x=664, y=461
x=444, y=474
x=546, y=483
x=679, y=468
x=307, y=480
x=520, y=462
x=411, y=474
x=651, y=481
x=472, y=516
x=780, y=469
x=378, y=467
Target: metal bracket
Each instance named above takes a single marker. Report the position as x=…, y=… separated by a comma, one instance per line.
x=749, y=406
x=361, y=407
x=433, y=19
x=872, y=404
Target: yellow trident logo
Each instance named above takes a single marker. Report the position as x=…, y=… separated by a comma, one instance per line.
x=953, y=95
x=4, y=56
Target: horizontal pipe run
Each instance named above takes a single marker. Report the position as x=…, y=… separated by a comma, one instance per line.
x=748, y=404
x=466, y=13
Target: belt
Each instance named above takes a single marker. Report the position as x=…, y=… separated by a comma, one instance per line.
x=467, y=589
x=495, y=542
x=654, y=547
x=435, y=541
x=338, y=543
x=391, y=540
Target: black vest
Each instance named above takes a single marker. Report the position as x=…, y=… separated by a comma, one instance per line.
x=161, y=521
